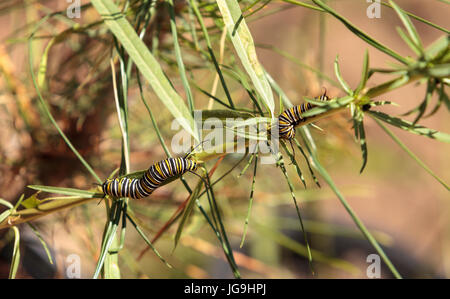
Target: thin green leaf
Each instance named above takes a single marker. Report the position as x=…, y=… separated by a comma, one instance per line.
x=364, y=36
x=60, y=37
x=293, y=161
x=443, y=98
x=409, y=27
x=246, y=165
x=297, y=247
x=191, y=25
x=223, y=114
x=313, y=175
x=249, y=14
x=16, y=254
x=324, y=107
x=280, y=163
x=194, y=6
x=122, y=115
x=294, y=59
x=109, y=236
x=284, y=100
x=245, y=48
x=410, y=127
x=187, y=212
x=19, y=202
x=363, y=144
x=41, y=239
x=303, y=4
x=32, y=201
x=391, y=85
x=241, y=77
x=111, y=268
x=141, y=233
x=250, y=202
x=242, y=15
x=409, y=42
x=4, y=215
x=410, y=153
x=350, y=211
x=45, y=107
x=6, y=203
x=223, y=238
x=155, y=125
x=422, y=19
x=146, y=63
x=365, y=73
x=431, y=85
x=438, y=47
x=66, y=191
x=330, y=229
x=179, y=57
x=439, y=71
x=341, y=80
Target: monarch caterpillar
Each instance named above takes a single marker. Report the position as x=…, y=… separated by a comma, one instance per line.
x=151, y=180
x=292, y=117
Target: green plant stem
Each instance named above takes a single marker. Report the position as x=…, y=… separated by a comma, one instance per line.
x=280, y=163
x=197, y=13
x=250, y=203
x=353, y=215
x=47, y=110
x=392, y=84
x=179, y=57
x=298, y=3
x=364, y=36
x=409, y=152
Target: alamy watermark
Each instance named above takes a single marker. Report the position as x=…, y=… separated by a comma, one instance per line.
x=73, y=10
x=374, y=9
x=374, y=268
x=73, y=266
